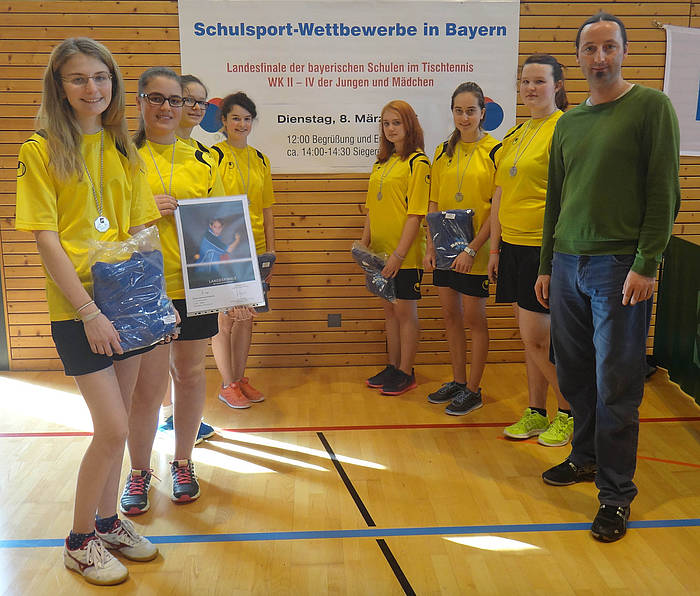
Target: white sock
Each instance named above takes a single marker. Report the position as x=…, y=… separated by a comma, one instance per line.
x=166, y=411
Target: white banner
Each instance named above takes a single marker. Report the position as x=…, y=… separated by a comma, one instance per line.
x=320, y=72
x=682, y=83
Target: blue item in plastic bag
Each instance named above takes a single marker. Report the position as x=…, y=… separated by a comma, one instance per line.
x=131, y=294
x=373, y=264
x=451, y=232
x=265, y=262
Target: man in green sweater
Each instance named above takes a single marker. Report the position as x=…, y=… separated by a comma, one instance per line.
x=612, y=196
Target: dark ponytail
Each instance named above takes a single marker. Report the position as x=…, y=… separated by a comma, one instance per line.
x=560, y=98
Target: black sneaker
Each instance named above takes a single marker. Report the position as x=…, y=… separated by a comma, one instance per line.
x=134, y=499
x=445, y=394
x=465, y=402
x=610, y=524
x=399, y=383
x=378, y=380
x=185, y=485
x=567, y=473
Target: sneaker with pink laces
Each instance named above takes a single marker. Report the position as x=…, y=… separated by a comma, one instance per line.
x=232, y=396
x=253, y=394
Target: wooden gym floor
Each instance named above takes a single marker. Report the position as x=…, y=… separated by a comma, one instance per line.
x=328, y=487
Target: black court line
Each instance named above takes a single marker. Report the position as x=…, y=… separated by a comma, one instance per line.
x=383, y=546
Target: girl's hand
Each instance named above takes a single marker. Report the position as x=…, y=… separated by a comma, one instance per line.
x=241, y=313
x=494, y=259
x=429, y=258
x=166, y=204
x=463, y=263
x=102, y=336
x=392, y=267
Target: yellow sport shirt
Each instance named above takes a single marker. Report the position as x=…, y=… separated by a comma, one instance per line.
x=68, y=207
x=405, y=189
x=260, y=195
x=194, y=177
x=477, y=185
x=523, y=195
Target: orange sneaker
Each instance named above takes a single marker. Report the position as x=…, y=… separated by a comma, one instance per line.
x=231, y=395
x=249, y=391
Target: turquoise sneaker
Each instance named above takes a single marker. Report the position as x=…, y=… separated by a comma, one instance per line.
x=531, y=424
x=559, y=432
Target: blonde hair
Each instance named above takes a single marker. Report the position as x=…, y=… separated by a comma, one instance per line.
x=56, y=115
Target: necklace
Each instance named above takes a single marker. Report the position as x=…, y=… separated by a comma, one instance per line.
x=385, y=173
x=240, y=173
x=101, y=223
x=518, y=153
x=458, y=195
x=169, y=190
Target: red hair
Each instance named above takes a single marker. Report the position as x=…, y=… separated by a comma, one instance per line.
x=414, y=133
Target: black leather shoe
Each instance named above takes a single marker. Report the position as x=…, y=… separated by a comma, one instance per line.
x=611, y=523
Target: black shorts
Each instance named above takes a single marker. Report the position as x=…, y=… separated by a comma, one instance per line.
x=464, y=283
x=517, y=273
x=200, y=327
x=408, y=284
x=75, y=353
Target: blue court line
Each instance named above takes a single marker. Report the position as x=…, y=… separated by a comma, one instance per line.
x=370, y=533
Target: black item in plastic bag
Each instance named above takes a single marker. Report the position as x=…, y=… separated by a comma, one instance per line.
x=373, y=264
x=265, y=262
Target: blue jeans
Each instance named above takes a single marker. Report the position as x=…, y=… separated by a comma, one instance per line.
x=599, y=348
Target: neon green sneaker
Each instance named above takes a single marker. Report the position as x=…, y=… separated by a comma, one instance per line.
x=559, y=432
x=532, y=423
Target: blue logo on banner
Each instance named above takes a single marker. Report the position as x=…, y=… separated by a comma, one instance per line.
x=212, y=120
x=494, y=115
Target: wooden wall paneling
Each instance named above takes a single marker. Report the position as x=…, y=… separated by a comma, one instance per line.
x=317, y=216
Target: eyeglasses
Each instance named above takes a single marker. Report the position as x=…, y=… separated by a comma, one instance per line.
x=101, y=78
x=190, y=102
x=156, y=99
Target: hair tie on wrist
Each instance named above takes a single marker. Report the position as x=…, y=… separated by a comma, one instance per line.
x=91, y=316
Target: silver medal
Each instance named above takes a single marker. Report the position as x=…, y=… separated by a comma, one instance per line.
x=458, y=197
x=101, y=224
x=513, y=171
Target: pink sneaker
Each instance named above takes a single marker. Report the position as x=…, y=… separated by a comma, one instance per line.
x=250, y=392
x=231, y=395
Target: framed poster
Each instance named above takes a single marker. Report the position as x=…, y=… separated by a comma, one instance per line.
x=217, y=248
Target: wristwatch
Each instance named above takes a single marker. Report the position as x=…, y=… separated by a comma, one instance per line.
x=470, y=251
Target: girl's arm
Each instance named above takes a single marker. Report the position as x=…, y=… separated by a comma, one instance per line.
x=269, y=228
x=408, y=235
x=100, y=332
x=429, y=259
x=494, y=257
x=366, y=234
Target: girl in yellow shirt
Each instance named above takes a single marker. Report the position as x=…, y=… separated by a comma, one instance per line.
x=79, y=181
x=516, y=237
x=397, y=200
x=462, y=178
x=244, y=170
x=175, y=171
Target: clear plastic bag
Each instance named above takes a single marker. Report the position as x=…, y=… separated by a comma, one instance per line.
x=373, y=263
x=265, y=263
x=129, y=288
x=451, y=231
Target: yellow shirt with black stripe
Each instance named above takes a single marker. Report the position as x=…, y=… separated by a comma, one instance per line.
x=68, y=207
x=256, y=183
x=523, y=196
x=405, y=188
x=194, y=176
x=475, y=181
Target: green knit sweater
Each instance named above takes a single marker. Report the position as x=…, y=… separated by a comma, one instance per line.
x=613, y=183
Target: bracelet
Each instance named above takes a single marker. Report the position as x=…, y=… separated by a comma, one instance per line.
x=398, y=256
x=494, y=252
x=84, y=306
x=91, y=316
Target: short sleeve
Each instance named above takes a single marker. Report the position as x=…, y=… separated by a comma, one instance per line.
x=418, y=192
x=143, y=206
x=36, y=192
